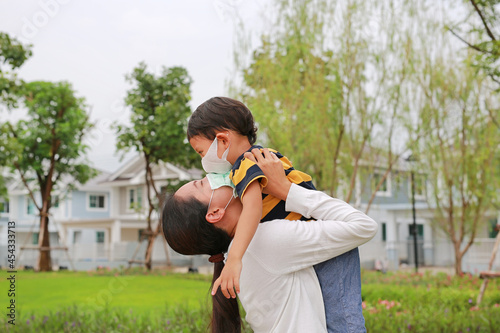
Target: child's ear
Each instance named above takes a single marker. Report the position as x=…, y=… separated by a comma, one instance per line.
x=215, y=215
x=223, y=138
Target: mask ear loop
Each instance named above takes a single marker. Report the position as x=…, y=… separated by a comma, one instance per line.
x=211, y=197
x=229, y=202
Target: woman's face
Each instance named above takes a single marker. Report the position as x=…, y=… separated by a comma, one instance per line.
x=200, y=190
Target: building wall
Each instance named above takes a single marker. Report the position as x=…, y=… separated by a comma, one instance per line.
x=80, y=206
x=130, y=235
x=22, y=207
x=400, y=191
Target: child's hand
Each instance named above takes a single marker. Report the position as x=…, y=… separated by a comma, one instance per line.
x=277, y=183
x=229, y=279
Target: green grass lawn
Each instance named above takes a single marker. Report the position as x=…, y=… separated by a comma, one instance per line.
x=158, y=301
x=51, y=291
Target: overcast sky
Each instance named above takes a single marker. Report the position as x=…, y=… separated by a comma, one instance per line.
x=93, y=44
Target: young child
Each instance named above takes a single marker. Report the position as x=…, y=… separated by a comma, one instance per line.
x=221, y=130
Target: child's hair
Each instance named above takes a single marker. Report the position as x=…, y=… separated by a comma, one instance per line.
x=222, y=113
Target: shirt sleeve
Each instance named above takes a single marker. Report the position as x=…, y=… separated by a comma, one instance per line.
x=283, y=246
x=246, y=173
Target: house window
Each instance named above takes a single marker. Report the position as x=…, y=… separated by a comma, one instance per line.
x=139, y=197
x=77, y=237
x=96, y=201
x=492, y=228
x=30, y=208
x=34, y=238
x=100, y=236
x=141, y=231
x=4, y=206
x=384, y=232
x=420, y=186
x=420, y=230
x=135, y=198
x=385, y=187
x=131, y=198
x=55, y=201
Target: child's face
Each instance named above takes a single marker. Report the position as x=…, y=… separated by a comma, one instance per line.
x=201, y=144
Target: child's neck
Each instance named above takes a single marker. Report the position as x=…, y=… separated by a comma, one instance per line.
x=239, y=145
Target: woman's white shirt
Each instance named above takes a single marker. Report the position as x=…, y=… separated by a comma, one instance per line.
x=279, y=289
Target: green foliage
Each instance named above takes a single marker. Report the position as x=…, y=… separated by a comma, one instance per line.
x=159, y=116
x=323, y=93
x=458, y=143
x=49, y=144
x=164, y=302
x=12, y=55
x=409, y=302
x=295, y=89
x=479, y=32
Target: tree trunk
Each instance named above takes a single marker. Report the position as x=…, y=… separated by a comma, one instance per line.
x=44, y=260
x=149, y=249
x=458, y=259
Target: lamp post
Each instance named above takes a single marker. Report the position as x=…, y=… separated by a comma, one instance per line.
x=411, y=159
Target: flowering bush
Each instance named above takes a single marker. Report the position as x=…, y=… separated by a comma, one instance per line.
x=408, y=302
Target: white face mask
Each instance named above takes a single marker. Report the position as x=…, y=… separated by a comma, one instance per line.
x=212, y=163
x=217, y=180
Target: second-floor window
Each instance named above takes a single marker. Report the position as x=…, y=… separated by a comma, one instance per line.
x=30, y=207
x=385, y=187
x=96, y=201
x=134, y=198
x=4, y=206
x=55, y=201
x=420, y=186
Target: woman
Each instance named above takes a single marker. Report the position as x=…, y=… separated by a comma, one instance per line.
x=279, y=288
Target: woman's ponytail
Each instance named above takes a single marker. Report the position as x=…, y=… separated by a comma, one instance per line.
x=187, y=232
x=225, y=312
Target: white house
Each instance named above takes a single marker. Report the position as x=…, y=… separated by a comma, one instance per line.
x=101, y=222
x=392, y=209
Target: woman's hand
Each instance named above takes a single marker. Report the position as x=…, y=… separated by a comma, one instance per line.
x=277, y=183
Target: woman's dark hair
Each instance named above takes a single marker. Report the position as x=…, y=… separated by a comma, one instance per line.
x=222, y=113
x=187, y=231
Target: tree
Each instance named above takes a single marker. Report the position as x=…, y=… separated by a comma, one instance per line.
x=459, y=150
x=452, y=131
x=479, y=26
x=479, y=32
x=324, y=93
x=12, y=56
x=160, y=110
x=47, y=147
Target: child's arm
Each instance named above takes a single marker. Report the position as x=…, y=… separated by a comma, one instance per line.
x=229, y=280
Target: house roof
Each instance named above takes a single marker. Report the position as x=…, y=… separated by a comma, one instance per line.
x=133, y=172
x=130, y=173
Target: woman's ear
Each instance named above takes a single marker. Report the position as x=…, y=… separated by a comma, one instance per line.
x=223, y=137
x=215, y=215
